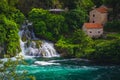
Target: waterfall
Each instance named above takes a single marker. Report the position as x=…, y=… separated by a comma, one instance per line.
x=32, y=46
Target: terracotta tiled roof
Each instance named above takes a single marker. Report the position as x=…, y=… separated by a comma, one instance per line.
x=93, y=25
x=102, y=9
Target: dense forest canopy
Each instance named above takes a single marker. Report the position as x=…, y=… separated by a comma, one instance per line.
x=10, y=20
x=26, y=5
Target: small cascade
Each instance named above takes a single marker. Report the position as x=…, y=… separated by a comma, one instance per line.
x=32, y=46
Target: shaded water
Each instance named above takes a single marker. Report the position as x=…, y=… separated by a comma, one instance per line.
x=70, y=69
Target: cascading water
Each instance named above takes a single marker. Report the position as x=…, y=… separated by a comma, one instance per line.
x=32, y=46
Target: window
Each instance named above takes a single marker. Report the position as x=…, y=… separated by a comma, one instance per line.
x=90, y=31
x=93, y=15
x=98, y=31
x=93, y=21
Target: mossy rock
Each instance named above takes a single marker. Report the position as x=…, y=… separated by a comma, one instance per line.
x=28, y=43
x=38, y=43
x=24, y=38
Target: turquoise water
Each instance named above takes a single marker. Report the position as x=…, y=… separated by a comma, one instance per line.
x=70, y=69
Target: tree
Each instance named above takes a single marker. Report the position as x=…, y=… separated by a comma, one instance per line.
x=56, y=25
x=75, y=18
x=56, y=4
x=10, y=18
x=8, y=69
x=3, y=6
x=85, y=4
x=114, y=4
x=73, y=4
x=84, y=43
x=12, y=38
x=47, y=25
x=27, y=5
x=106, y=51
x=98, y=2
x=78, y=45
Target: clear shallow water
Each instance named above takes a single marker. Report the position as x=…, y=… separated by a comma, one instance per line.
x=69, y=69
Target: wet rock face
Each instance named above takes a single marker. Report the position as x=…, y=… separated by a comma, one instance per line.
x=1, y=51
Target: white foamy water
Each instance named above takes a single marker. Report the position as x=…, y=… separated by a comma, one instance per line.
x=31, y=49
x=45, y=63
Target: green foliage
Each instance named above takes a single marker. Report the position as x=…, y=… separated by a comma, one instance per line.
x=113, y=26
x=10, y=20
x=3, y=6
x=7, y=6
x=98, y=2
x=38, y=14
x=65, y=47
x=12, y=2
x=113, y=36
x=79, y=45
x=106, y=51
x=84, y=42
x=40, y=28
x=73, y=4
x=56, y=4
x=75, y=19
x=11, y=39
x=2, y=35
x=18, y=17
x=26, y=5
x=114, y=4
x=55, y=25
x=47, y=25
x=38, y=43
x=8, y=70
x=64, y=43
x=85, y=4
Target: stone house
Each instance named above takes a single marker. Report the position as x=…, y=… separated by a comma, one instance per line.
x=98, y=18
x=93, y=30
x=99, y=15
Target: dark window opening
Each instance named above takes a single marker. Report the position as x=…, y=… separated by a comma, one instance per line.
x=90, y=31
x=93, y=15
x=98, y=31
x=93, y=21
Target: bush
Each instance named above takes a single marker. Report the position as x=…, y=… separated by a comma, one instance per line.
x=8, y=70
x=80, y=45
x=106, y=51
x=113, y=26
x=75, y=19
x=47, y=25
x=18, y=17
x=9, y=39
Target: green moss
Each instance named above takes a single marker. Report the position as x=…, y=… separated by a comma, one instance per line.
x=38, y=43
x=28, y=43
x=24, y=38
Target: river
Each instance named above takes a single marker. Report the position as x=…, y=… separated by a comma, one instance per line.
x=69, y=69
